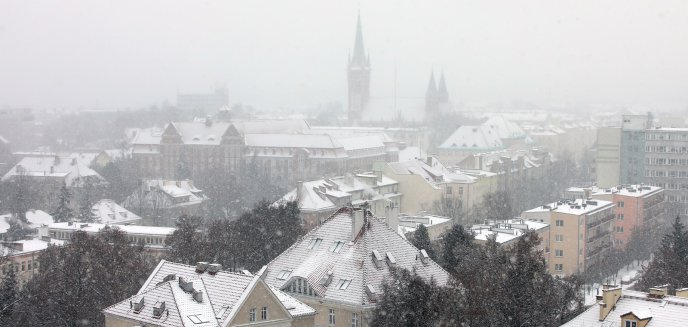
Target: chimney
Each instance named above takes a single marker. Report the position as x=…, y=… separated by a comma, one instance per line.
x=428, y=161
x=299, y=189
x=327, y=279
x=186, y=286
x=659, y=292
x=201, y=266
x=358, y=217
x=682, y=292
x=158, y=309
x=198, y=295
x=214, y=268
x=610, y=295
x=138, y=306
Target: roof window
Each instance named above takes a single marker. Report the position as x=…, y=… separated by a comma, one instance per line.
x=284, y=274
x=343, y=284
x=424, y=258
x=377, y=259
x=314, y=243
x=197, y=319
x=336, y=246
x=390, y=260
x=138, y=306
x=327, y=279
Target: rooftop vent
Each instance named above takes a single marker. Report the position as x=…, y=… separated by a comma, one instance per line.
x=390, y=260
x=139, y=305
x=201, y=267
x=424, y=258
x=214, y=268
x=198, y=295
x=377, y=259
x=185, y=285
x=158, y=309
x=327, y=279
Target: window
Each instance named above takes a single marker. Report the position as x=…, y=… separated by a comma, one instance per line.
x=558, y=267
x=620, y=216
x=619, y=229
x=560, y=223
x=337, y=246
x=284, y=274
x=631, y=323
x=558, y=238
x=314, y=243
x=354, y=319
x=343, y=284
x=331, y=319
x=558, y=253
x=620, y=204
x=449, y=190
x=23, y=265
x=252, y=315
x=264, y=313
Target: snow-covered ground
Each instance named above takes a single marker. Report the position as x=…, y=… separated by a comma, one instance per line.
x=626, y=277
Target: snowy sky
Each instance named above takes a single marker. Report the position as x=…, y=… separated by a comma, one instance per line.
x=291, y=54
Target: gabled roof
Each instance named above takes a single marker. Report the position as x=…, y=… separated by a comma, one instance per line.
x=353, y=262
x=67, y=168
x=434, y=174
x=473, y=138
x=504, y=128
x=109, y=212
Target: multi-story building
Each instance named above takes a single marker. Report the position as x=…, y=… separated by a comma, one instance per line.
x=436, y=225
x=339, y=267
x=152, y=237
x=581, y=233
x=22, y=256
x=319, y=199
x=177, y=295
x=635, y=206
x=507, y=232
x=650, y=155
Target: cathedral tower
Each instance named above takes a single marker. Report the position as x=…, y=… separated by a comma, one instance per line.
x=358, y=74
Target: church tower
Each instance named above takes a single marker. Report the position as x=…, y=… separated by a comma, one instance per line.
x=442, y=94
x=358, y=74
x=432, y=100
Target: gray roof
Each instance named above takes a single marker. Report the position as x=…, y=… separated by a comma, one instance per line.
x=668, y=311
x=353, y=262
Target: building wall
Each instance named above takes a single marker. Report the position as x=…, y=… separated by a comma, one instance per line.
x=25, y=266
x=343, y=313
x=608, y=156
x=260, y=297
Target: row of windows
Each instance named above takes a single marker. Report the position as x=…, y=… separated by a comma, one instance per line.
x=666, y=136
x=24, y=265
x=662, y=173
x=666, y=161
x=263, y=314
x=619, y=229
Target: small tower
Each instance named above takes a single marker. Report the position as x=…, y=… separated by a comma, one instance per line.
x=442, y=94
x=358, y=74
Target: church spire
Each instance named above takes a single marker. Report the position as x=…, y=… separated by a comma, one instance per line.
x=432, y=87
x=443, y=95
x=359, y=59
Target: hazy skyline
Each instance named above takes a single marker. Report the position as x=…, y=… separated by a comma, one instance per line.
x=293, y=54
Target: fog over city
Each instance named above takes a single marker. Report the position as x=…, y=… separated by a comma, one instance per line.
x=313, y=163
x=292, y=54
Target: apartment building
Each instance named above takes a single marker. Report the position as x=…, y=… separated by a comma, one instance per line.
x=22, y=256
x=581, y=233
x=507, y=232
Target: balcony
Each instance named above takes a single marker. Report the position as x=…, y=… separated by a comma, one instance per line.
x=601, y=221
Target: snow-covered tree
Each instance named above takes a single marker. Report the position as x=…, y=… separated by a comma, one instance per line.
x=64, y=211
x=670, y=261
x=421, y=240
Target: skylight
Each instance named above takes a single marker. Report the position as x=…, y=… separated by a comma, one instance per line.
x=343, y=284
x=197, y=319
x=314, y=243
x=284, y=274
x=337, y=246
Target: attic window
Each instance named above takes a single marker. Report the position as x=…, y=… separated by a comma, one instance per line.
x=314, y=243
x=343, y=284
x=390, y=259
x=337, y=246
x=377, y=259
x=284, y=274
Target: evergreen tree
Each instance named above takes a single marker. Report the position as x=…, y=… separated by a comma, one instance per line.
x=19, y=203
x=9, y=297
x=670, y=262
x=456, y=246
x=187, y=244
x=16, y=231
x=63, y=212
x=421, y=240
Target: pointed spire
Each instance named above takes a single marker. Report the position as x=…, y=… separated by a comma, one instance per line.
x=432, y=87
x=443, y=95
x=359, y=58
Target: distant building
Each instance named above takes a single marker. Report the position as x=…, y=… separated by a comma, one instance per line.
x=22, y=256
x=626, y=308
x=5, y=155
x=319, y=199
x=203, y=103
x=152, y=237
x=339, y=267
x=507, y=232
x=107, y=211
x=436, y=225
x=581, y=230
x=636, y=206
x=54, y=170
x=165, y=200
x=179, y=295
x=35, y=218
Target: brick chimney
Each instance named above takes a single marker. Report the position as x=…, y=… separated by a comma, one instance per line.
x=610, y=295
x=358, y=221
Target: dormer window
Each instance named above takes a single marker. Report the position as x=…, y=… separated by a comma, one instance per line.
x=284, y=274
x=336, y=246
x=343, y=284
x=631, y=323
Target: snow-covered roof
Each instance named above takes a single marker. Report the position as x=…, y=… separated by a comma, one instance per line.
x=505, y=231
x=473, y=138
x=271, y=126
x=328, y=194
x=86, y=158
x=127, y=229
x=358, y=142
x=505, y=128
x=107, y=211
x=308, y=141
x=67, y=168
x=667, y=311
x=328, y=251
x=223, y=295
x=435, y=173
x=635, y=191
x=409, y=223
x=201, y=133
x=26, y=246
x=574, y=207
